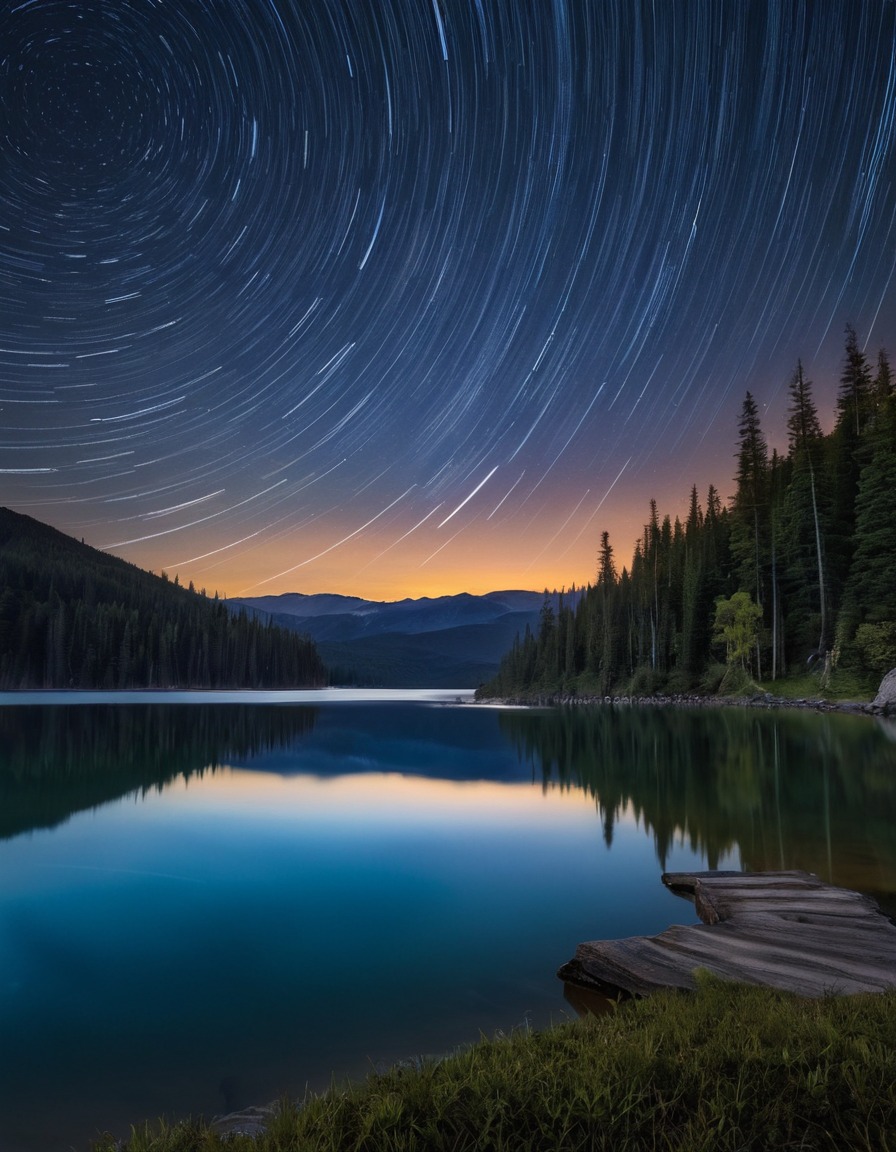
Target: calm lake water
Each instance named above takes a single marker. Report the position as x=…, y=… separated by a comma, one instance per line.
x=206, y=905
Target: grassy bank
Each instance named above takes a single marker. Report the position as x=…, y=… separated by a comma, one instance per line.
x=719, y=686
x=726, y=1068
x=844, y=685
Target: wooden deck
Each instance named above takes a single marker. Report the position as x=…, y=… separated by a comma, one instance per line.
x=789, y=930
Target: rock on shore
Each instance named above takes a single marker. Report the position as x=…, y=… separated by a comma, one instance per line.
x=886, y=694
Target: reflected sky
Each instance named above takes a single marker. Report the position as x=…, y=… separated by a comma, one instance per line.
x=43, y=697
x=227, y=903
x=236, y=936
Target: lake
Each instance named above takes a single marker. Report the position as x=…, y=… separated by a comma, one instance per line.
x=207, y=900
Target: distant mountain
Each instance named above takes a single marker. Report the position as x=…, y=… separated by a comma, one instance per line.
x=72, y=616
x=298, y=604
x=439, y=642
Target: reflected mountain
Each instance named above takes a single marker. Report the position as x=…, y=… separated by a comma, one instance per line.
x=436, y=741
x=58, y=760
x=787, y=789
x=774, y=789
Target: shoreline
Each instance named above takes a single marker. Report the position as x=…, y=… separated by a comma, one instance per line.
x=74, y=696
x=766, y=700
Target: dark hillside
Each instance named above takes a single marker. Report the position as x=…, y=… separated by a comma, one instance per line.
x=432, y=642
x=450, y=658
x=74, y=617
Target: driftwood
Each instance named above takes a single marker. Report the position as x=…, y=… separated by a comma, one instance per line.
x=788, y=930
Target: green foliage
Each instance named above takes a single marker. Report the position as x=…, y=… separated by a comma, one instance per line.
x=805, y=507
x=870, y=594
x=736, y=625
x=713, y=675
x=750, y=504
x=809, y=538
x=845, y=450
x=771, y=787
x=74, y=617
x=844, y=684
x=737, y=681
x=877, y=646
x=726, y=1068
x=644, y=682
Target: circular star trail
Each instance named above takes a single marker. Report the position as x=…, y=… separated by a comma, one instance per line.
x=419, y=296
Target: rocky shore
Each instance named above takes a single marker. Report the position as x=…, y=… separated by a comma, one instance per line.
x=883, y=704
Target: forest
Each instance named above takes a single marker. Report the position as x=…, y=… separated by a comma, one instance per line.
x=796, y=571
x=74, y=617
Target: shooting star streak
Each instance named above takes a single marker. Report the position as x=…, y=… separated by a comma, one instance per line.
x=570, y=438
x=186, y=504
x=445, y=545
x=395, y=543
x=557, y=533
x=612, y=486
x=215, y=551
x=435, y=8
x=481, y=484
x=535, y=424
x=597, y=509
x=193, y=523
x=501, y=501
x=338, y=544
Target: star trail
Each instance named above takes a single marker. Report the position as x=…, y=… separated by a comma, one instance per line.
x=377, y=298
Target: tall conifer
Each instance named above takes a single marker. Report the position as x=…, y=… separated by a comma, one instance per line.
x=749, y=507
x=854, y=411
x=693, y=609
x=805, y=503
x=870, y=595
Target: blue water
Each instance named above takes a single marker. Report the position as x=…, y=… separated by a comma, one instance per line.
x=391, y=880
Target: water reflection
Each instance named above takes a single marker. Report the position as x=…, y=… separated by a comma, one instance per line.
x=781, y=789
x=248, y=931
x=299, y=892
x=785, y=789
x=58, y=760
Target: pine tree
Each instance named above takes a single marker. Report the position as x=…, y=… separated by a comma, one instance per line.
x=652, y=574
x=847, y=443
x=607, y=639
x=547, y=665
x=778, y=471
x=692, y=607
x=750, y=528
x=870, y=596
x=606, y=566
x=855, y=403
x=803, y=529
x=883, y=381
x=716, y=546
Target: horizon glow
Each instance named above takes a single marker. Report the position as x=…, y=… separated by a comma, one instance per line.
x=415, y=299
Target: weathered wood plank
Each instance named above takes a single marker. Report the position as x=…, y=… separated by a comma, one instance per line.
x=789, y=930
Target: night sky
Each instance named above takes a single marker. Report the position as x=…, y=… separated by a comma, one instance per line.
x=404, y=297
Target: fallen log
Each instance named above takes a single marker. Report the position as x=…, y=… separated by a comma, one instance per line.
x=788, y=930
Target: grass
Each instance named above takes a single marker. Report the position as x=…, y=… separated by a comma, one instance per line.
x=845, y=685
x=727, y=1068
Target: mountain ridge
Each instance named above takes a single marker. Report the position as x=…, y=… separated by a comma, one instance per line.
x=455, y=640
x=73, y=616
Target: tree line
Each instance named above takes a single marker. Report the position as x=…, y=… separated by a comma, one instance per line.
x=56, y=760
x=797, y=570
x=767, y=783
x=74, y=617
